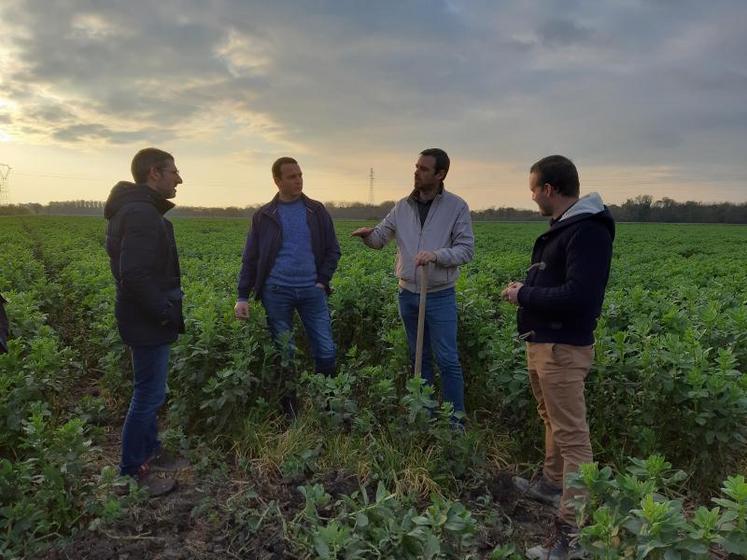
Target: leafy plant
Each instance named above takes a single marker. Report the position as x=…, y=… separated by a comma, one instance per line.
x=633, y=514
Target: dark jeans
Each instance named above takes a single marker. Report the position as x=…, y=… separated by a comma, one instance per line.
x=150, y=365
x=439, y=338
x=311, y=303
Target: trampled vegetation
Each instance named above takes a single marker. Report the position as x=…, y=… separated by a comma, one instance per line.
x=366, y=472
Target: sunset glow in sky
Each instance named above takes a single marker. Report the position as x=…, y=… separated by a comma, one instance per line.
x=646, y=96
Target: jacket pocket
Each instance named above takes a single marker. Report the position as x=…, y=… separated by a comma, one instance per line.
x=441, y=275
x=404, y=270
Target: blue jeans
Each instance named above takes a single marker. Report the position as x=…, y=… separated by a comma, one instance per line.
x=439, y=338
x=150, y=366
x=311, y=303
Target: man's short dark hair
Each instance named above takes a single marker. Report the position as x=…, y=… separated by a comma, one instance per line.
x=441, y=157
x=145, y=159
x=559, y=172
x=277, y=167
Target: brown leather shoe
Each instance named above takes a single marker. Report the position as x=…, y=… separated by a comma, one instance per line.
x=144, y=479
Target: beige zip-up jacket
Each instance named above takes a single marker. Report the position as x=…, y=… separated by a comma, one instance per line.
x=447, y=232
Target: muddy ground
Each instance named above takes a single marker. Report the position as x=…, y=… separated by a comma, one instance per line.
x=209, y=516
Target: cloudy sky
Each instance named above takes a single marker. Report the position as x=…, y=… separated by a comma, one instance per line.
x=646, y=96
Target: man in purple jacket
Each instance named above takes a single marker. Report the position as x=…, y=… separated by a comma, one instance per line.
x=290, y=256
x=558, y=306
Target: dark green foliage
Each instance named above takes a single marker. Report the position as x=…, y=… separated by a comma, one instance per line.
x=668, y=378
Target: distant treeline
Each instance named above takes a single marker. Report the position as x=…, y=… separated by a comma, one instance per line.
x=642, y=208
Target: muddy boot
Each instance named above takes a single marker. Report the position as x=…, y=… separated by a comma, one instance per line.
x=157, y=486
x=163, y=461
x=289, y=404
x=329, y=370
x=144, y=479
x=540, y=490
x=561, y=544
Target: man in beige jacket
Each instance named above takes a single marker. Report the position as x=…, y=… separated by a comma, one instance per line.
x=432, y=227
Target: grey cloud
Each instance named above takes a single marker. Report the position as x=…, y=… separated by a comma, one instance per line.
x=563, y=33
x=32, y=130
x=614, y=82
x=49, y=113
x=147, y=72
x=94, y=131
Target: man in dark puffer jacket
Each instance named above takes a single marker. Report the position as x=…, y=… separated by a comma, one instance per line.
x=4, y=327
x=558, y=308
x=145, y=265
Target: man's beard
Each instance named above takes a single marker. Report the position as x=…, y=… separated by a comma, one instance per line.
x=427, y=187
x=544, y=210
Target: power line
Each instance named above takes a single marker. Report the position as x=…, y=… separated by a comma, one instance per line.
x=49, y=176
x=371, y=188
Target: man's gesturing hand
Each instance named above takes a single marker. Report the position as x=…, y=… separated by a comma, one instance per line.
x=362, y=232
x=241, y=310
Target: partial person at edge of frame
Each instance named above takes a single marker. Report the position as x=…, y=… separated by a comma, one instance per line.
x=432, y=227
x=558, y=306
x=4, y=326
x=145, y=266
x=290, y=256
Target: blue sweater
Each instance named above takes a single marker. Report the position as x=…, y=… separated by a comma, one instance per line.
x=264, y=240
x=294, y=265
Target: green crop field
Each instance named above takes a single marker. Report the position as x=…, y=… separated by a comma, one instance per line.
x=366, y=471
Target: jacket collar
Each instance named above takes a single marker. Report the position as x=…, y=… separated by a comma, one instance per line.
x=413, y=196
x=558, y=224
x=582, y=208
x=271, y=208
x=604, y=216
x=125, y=192
x=162, y=205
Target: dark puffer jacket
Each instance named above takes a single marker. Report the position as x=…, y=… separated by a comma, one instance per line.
x=563, y=293
x=143, y=259
x=4, y=327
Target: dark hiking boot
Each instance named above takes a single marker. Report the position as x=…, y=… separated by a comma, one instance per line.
x=540, y=490
x=330, y=371
x=163, y=461
x=561, y=544
x=157, y=486
x=289, y=404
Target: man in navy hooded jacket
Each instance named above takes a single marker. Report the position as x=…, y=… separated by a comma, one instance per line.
x=145, y=265
x=559, y=303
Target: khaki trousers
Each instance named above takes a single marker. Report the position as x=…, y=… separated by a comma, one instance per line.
x=557, y=373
